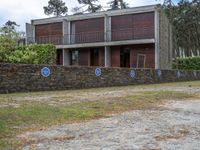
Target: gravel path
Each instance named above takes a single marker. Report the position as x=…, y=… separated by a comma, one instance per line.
x=175, y=125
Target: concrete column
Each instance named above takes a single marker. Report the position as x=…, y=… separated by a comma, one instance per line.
x=157, y=39
x=30, y=33
x=171, y=46
x=107, y=56
x=107, y=28
x=66, y=57
x=66, y=32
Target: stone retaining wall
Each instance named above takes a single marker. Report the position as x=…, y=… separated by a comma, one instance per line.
x=22, y=78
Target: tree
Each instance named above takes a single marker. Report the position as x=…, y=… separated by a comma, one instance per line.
x=55, y=7
x=8, y=39
x=10, y=52
x=9, y=28
x=118, y=4
x=185, y=18
x=8, y=31
x=91, y=5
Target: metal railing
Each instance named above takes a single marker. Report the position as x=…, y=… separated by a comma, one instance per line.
x=88, y=37
x=132, y=34
x=57, y=40
x=93, y=37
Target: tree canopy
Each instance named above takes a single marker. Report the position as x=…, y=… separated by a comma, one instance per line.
x=185, y=18
x=94, y=6
x=91, y=5
x=8, y=38
x=118, y=4
x=56, y=8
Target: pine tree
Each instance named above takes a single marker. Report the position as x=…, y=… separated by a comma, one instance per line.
x=92, y=6
x=55, y=7
x=118, y=4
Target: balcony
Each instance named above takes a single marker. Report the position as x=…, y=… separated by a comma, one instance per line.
x=94, y=37
x=90, y=37
x=57, y=40
x=132, y=34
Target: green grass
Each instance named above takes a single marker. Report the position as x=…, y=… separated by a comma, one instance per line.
x=31, y=115
x=35, y=116
x=16, y=120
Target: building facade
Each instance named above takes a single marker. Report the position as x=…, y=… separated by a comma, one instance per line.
x=137, y=37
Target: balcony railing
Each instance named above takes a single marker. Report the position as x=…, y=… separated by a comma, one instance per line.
x=93, y=37
x=89, y=37
x=132, y=34
x=57, y=40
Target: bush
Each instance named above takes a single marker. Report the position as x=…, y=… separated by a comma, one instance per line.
x=7, y=45
x=188, y=63
x=32, y=54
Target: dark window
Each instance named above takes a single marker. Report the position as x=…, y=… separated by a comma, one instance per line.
x=125, y=57
x=59, y=60
x=94, y=57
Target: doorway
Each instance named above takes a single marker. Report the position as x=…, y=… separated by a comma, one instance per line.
x=125, y=57
x=94, y=57
x=59, y=57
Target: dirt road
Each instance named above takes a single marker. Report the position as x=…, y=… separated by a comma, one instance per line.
x=175, y=125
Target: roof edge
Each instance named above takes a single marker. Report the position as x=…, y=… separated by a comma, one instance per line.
x=139, y=9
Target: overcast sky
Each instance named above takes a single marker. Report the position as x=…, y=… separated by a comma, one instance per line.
x=22, y=11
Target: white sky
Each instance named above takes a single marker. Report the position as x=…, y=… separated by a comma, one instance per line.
x=22, y=11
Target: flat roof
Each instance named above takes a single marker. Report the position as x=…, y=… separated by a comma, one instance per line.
x=133, y=10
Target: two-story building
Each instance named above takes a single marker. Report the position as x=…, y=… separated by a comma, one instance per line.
x=137, y=37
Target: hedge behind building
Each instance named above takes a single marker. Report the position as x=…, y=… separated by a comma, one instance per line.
x=188, y=63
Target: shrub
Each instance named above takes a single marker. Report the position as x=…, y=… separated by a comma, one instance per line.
x=188, y=63
x=32, y=54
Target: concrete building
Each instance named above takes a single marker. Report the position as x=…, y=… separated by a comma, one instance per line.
x=137, y=37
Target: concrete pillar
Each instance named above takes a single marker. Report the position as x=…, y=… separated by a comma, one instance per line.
x=66, y=57
x=107, y=56
x=157, y=39
x=30, y=33
x=107, y=28
x=171, y=46
x=66, y=32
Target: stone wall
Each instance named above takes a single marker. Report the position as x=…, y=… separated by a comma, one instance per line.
x=22, y=78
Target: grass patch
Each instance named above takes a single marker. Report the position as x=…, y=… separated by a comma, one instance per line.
x=14, y=121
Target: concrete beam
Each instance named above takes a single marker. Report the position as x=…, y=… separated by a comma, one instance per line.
x=107, y=28
x=66, y=32
x=157, y=40
x=134, y=10
x=30, y=33
x=47, y=20
x=66, y=57
x=171, y=46
x=107, y=56
x=102, y=44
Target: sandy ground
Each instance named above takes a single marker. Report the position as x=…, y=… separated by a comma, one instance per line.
x=175, y=125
